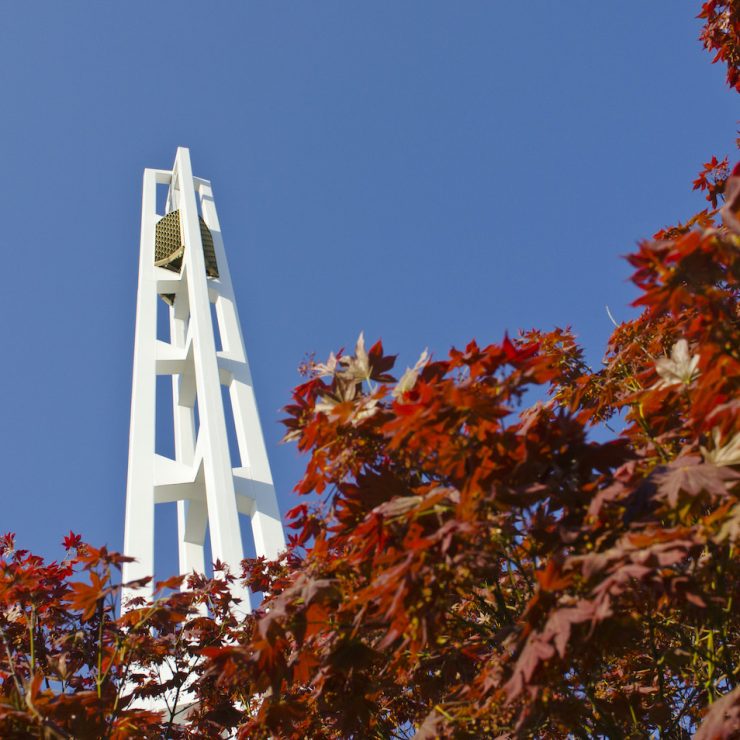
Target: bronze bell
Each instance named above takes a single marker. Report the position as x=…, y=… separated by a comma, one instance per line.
x=169, y=248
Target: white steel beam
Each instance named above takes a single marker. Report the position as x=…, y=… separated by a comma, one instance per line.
x=139, y=524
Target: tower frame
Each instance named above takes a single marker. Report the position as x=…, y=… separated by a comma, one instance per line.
x=211, y=492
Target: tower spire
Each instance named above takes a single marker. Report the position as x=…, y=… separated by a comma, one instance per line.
x=183, y=262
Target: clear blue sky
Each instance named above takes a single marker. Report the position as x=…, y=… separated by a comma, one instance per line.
x=426, y=171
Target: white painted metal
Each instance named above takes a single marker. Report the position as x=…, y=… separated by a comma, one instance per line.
x=209, y=488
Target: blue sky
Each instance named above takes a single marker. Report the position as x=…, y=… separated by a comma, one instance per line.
x=427, y=172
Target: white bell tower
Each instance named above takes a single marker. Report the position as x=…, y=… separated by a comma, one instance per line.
x=183, y=262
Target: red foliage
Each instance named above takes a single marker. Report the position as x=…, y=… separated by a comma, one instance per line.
x=70, y=668
x=721, y=34
x=712, y=178
x=463, y=564
x=480, y=568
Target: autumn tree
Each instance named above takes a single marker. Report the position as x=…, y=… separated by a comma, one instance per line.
x=476, y=567
x=464, y=563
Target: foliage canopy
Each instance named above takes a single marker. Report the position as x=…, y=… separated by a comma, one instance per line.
x=466, y=563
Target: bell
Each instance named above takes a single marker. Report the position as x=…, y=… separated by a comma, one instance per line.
x=169, y=248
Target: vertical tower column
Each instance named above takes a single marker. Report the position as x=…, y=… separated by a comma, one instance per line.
x=191, y=271
x=139, y=523
x=253, y=478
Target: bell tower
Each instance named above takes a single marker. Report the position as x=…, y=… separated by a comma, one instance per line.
x=183, y=263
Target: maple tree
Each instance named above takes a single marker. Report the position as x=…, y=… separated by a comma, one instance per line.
x=465, y=563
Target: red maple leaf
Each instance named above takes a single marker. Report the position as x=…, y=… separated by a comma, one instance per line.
x=72, y=541
x=690, y=475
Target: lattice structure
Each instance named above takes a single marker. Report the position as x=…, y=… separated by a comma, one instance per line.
x=182, y=260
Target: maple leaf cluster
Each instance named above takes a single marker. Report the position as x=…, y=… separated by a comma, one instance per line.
x=71, y=668
x=721, y=35
x=463, y=562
